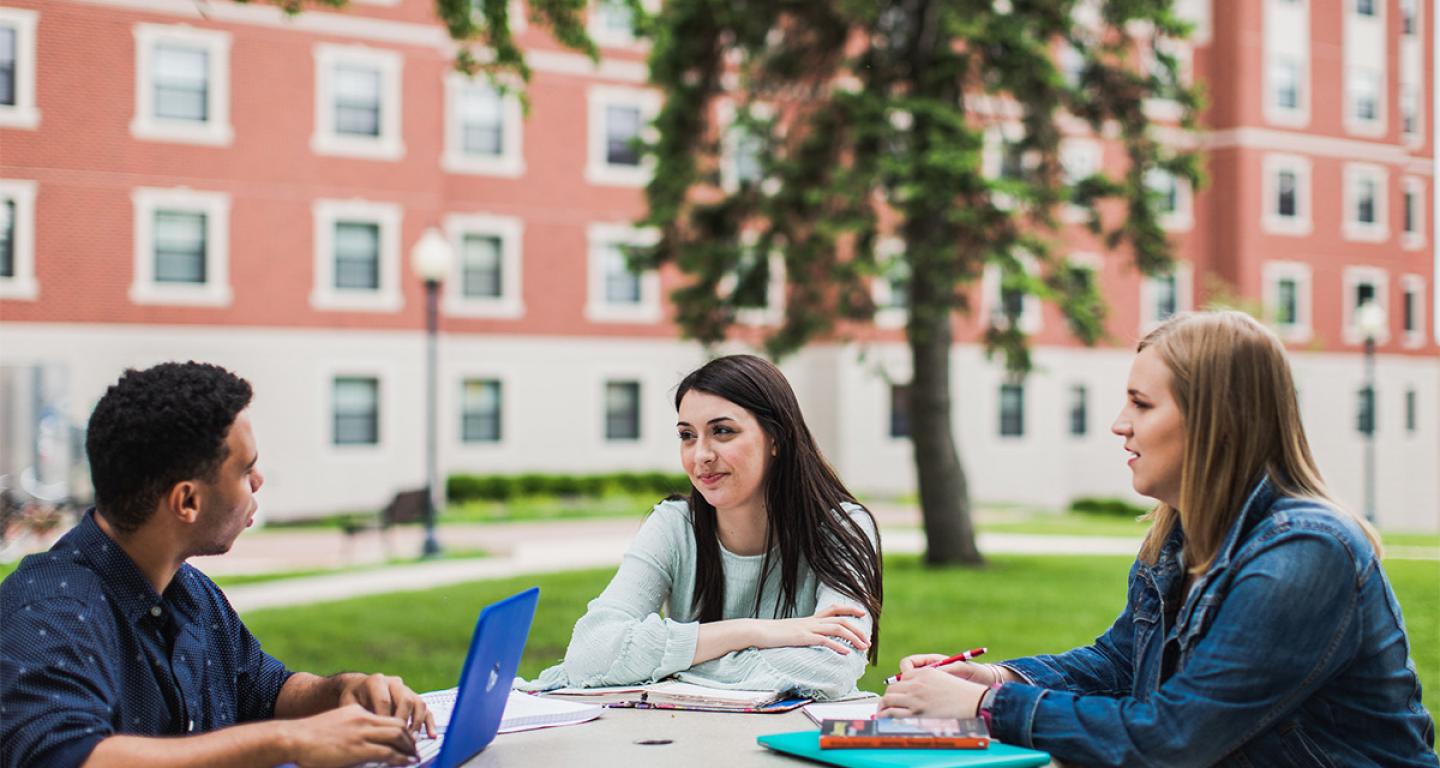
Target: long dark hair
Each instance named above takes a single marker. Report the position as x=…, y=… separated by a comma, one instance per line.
x=802, y=501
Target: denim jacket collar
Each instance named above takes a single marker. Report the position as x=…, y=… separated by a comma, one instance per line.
x=1257, y=505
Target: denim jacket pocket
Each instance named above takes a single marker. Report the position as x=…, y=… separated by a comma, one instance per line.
x=1300, y=750
x=1197, y=621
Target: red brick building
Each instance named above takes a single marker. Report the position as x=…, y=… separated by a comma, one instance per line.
x=219, y=181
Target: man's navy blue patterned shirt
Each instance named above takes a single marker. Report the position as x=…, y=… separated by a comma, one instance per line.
x=89, y=650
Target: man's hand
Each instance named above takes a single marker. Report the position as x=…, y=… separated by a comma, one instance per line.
x=388, y=696
x=346, y=736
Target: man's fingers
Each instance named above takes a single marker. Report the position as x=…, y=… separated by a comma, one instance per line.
x=379, y=689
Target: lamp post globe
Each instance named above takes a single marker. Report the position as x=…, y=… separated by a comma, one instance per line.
x=431, y=259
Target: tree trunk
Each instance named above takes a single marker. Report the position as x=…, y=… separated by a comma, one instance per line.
x=944, y=490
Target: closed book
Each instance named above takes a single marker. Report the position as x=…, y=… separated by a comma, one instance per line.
x=905, y=733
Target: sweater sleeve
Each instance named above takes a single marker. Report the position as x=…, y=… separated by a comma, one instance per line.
x=813, y=671
x=622, y=638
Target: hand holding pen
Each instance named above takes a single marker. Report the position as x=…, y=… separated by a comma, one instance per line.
x=966, y=656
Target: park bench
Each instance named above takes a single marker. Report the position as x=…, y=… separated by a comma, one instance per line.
x=407, y=507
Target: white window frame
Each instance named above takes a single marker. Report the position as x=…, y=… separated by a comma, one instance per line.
x=597, y=309
x=384, y=424
x=1093, y=154
x=1270, y=219
x=510, y=304
x=1416, y=188
x=23, y=113
x=774, y=310
x=1357, y=33
x=323, y=293
x=730, y=140
x=1351, y=278
x=1030, y=319
x=1302, y=330
x=1182, y=219
x=22, y=285
x=1413, y=284
x=216, y=291
x=609, y=38
x=389, y=145
x=1184, y=274
x=887, y=250
x=1353, y=229
x=510, y=163
x=597, y=169
x=506, y=411
x=602, y=438
x=1280, y=15
x=216, y=129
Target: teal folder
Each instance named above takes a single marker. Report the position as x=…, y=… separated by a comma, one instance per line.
x=806, y=744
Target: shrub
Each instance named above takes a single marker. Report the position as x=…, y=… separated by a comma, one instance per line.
x=1108, y=507
x=467, y=487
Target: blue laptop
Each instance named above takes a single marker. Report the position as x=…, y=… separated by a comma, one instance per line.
x=485, y=682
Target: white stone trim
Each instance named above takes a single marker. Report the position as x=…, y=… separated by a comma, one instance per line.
x=510, y=304
x=1030, y=319
x=1416, y=187
x=597, y=309
x=389, y=145
x=145, y=125
x=23, y=113
x=606, y=37
x=1184, y=273
x=511, y=160
x=1365, y=49
x=1353, y=229
x=1270, y=219
x=216, y=291
x=23, y=285
x=1272, y=272
x=1413, y=284
x=1352, y=277
x=1286, y=36
x=889, y=253
x=1317, y=146
x=323, y=293
x=597, y=169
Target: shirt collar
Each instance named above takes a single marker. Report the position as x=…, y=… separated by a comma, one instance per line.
x=124, y=583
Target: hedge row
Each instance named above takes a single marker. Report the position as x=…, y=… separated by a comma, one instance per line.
x=1112, y=507
x=502, y=487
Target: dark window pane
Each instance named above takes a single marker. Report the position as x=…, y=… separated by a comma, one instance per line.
x=622, y=410
x=357, y=101
x=622, y=286
x=1166, y=301
x=1409, y=212
x=179, y=247
x=1365, y=205
x=1287, y=308
x=1012, y=160
x=1012, y=410
x=748, y=148
x=1079, y=418
x=482, y=122
x=899, y=410
x=1365, y=417
x=1285, y=204
x=181, y=80
x=1409, y=310
x=7, y=65
x=1411, y=406
x=7, y=238
x=482, y=266
x=1364, y=294
x=622, y=129
x=1365, y=7
x=1012, y=301
x=357, y=255
x=357, y=411
x=480, y=415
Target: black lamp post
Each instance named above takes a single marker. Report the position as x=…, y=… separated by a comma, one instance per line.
x=431, y=259
x=1370, y=319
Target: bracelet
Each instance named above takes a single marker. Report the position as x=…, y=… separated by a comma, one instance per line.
x=987, y=700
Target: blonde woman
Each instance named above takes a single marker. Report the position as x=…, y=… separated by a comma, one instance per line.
x=1260, y=628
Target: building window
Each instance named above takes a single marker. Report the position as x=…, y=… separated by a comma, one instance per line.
x=357, y=256
x=1287, y=299
x=357, y=102
x=1005, y=297
x=1363, y=285
x=1285, y=83
x=1365, y=7
x=743, y=145
x=890, y=290
x=618, y=293
x=480, y=401
x=619, y=122
x=483, y=128
x=756, y=288
x=1172, y=198
x=1071, y=64
x=1412, y=306
x=17, y=68
x=612, y=23
x=1286, y=194
x=1079, y=419
x=486, y=282
x=1409, y=110
x=1165, y=298
x=17, y=240
x=1409, y=21
x=1162, y=296
x=1365, y=411
x=622, y=410
x=899, y=410
x=182, y=84
x=1364, y=94
x=1012, y=410
x=1412, y=419
x=1365, y=203
x=1412, y=233
x=356, y=411
x=181, y=247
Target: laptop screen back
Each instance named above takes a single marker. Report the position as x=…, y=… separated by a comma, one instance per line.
x=490, y=667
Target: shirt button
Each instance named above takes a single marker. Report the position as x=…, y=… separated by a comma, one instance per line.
x=155, y=611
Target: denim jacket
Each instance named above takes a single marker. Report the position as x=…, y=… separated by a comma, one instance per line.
x=1289, y=651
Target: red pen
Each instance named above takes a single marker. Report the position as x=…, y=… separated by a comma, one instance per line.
x=966, y=656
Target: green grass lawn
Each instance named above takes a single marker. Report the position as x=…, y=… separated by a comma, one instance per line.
x=1017, y=605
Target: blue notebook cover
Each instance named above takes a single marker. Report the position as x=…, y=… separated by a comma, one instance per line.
x=806, y=744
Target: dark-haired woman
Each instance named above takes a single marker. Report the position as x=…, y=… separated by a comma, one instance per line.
x=768, y=577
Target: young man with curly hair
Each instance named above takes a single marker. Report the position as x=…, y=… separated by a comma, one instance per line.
x=112, y=645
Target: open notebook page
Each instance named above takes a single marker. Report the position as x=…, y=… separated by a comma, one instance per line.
x=523, y=712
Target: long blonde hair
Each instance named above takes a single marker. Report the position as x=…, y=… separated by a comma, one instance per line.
x=1232, y=382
